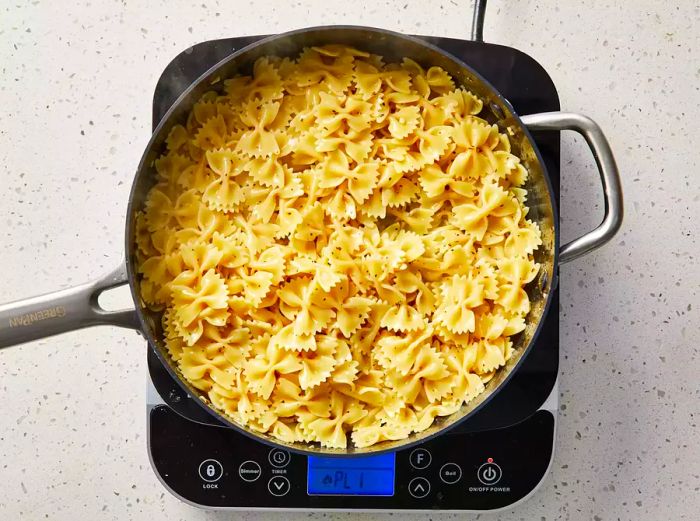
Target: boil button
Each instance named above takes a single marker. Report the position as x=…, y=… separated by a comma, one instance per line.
x=450, y=473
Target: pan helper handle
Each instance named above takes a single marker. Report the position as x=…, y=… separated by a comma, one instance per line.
x=62, y=311
x=609, y=177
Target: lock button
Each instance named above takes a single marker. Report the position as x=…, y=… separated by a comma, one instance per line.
x=211, y=470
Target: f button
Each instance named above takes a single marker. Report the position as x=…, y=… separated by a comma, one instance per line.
x=420, y=459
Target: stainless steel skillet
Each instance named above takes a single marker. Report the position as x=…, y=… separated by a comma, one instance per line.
x=77, y=307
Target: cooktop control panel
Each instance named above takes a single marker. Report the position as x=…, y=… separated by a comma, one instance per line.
x=218, y=467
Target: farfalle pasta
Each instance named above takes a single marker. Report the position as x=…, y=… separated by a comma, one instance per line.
x=340, y=247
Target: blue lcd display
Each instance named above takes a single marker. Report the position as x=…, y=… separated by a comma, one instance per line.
x=362, y=476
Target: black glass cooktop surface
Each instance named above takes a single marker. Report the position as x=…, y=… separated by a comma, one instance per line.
x=492, y=460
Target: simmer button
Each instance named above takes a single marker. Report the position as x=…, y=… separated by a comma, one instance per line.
x=249, y=471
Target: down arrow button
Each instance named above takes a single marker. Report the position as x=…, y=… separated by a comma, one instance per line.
x=278, y=486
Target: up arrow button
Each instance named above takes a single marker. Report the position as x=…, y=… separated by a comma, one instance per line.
x=419, y=487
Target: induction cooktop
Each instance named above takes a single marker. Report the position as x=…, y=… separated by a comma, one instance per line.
x=494, y=460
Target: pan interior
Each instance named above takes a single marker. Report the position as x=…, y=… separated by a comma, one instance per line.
x=393, y=47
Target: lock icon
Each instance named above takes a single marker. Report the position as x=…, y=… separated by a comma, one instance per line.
x=210, y=470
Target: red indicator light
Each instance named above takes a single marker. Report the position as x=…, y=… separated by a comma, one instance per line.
x=490, y=460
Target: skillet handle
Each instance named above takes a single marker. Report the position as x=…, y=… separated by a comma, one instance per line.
x=609, y=177
x=62, y=311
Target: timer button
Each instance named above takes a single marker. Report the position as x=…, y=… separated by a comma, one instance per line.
x=279, y=486
x=489, y=473
x=210, y=470
x=450, y=473
x=420, y=459
x=278, y=458
x=419, y=487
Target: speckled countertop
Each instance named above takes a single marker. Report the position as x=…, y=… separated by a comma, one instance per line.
x=75, y=102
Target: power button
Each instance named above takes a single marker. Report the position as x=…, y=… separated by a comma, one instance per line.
x=489, y=473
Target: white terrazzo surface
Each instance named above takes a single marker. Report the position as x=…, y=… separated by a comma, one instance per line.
x=75, y=96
